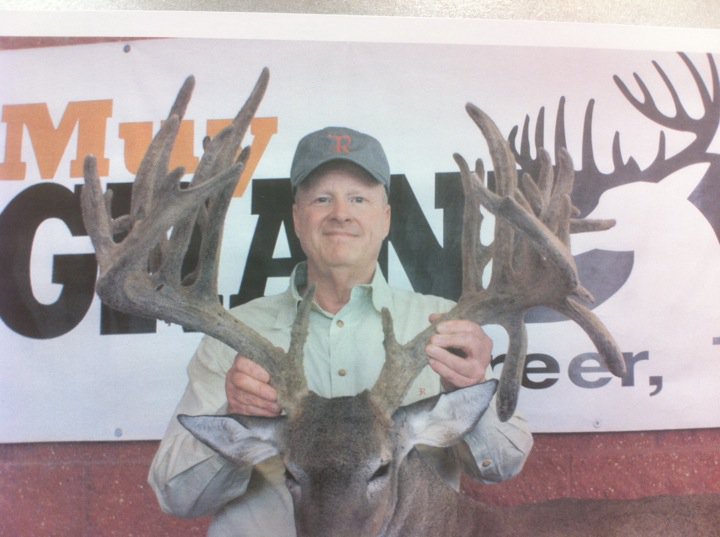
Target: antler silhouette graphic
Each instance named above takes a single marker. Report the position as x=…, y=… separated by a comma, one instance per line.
x=591, y=182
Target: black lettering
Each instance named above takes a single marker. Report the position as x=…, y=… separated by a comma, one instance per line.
x=272, y=202
x=431, y=268
x=578, y=369
x=19, y=308
x=549, y=366
x=630, y=361
x=497, y=360
x=657, y=383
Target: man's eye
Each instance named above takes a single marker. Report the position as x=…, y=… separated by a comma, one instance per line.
x=358, y=199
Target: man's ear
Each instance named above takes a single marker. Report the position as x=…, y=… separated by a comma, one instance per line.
x=241, y=439
x=294, y=214
x=443, y=420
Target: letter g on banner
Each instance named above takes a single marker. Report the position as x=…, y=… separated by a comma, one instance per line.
x=19, y=221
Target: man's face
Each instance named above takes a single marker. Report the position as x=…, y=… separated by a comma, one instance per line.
x=341, y=217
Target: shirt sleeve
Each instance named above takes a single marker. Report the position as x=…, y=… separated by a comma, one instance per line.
x=188, y=478
x=494, y=450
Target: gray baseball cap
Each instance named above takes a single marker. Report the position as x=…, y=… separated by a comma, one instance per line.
x=339, y=143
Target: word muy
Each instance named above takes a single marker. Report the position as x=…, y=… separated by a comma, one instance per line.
x=88, y=120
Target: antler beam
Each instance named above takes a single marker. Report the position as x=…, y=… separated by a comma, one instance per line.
x=140, y=255
x=531, y=266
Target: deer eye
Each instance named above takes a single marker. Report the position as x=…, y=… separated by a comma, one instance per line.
x=382, y=471
x=290, y=479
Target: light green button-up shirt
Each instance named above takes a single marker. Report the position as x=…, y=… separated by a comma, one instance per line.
x=344, y=352
x=343, y=356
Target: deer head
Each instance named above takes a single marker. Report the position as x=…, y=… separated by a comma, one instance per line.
x=344, y=457
x=355, y=447
x=592, y=183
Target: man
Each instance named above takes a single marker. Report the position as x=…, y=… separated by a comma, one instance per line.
x=340, y=179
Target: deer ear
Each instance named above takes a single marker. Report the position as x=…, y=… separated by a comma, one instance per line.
x=443, y=420
x=242, y=440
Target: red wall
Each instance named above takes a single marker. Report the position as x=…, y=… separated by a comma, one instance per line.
x=612, y=465
x=99, y=489
x=83, y=490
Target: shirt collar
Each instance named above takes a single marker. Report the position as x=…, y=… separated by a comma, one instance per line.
x=379, y=289
x=381, y=293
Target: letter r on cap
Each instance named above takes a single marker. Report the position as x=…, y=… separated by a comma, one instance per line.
x=342, y=142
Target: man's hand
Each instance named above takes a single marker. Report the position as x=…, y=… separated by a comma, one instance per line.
x=248, y=389
x=460, y=352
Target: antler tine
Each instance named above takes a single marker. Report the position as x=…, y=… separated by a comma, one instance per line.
x=513, y=366
x=543, y=271
x=399, y=369
x=290, y=378
x=504, y=164
x=681, y=120
x=475, y=256
x=532, y=266
x=223, y=150
x=220, y=153
x=96, y=214
x=598, y=333
x=128, y=282
x=506, y=182
x=156, y=158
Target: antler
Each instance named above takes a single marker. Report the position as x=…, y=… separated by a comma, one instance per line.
x=140, y=255
x=141, y=267
x=682, y=120
x=592, y=182
x=531, y=266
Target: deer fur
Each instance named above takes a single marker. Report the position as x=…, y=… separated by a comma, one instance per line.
x=353, y=472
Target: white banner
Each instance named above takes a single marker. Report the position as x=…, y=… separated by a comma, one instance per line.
x=646, y=152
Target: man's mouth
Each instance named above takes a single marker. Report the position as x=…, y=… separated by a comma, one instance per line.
x=339, y=233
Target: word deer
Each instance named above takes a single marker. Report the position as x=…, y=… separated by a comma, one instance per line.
x=351, y=466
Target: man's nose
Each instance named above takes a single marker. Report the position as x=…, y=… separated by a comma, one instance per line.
x=341, y=209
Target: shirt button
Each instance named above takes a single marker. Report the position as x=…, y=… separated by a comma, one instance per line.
x=486, y=463
x=342, y=372
x=340, y=323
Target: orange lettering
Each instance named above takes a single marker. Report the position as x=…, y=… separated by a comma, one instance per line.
x=262, y=129
x=49, y=142
x=137, y=137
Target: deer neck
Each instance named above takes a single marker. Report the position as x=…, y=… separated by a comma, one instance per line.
x=427, y=506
